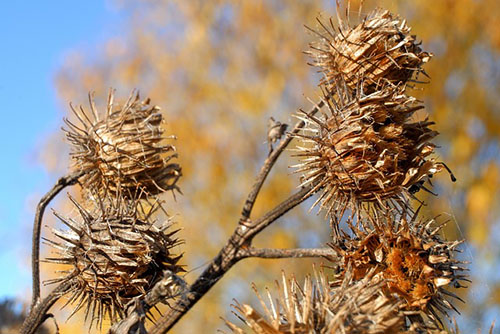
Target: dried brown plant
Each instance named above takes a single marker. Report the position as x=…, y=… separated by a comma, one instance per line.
x=113, y=254
x=353, y=306
x=377, y=51
x=361, y=147
x=408, y=254
x=366, y=148
x=123, y=151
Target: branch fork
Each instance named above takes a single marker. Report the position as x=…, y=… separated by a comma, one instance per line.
x=237, y=247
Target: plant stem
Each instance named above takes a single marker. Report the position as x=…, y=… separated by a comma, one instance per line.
x=269, y=163
x=227, y=257
x=274, y=253
x=63, y=182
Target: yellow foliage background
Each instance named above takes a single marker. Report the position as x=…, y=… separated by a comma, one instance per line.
x=219, y=69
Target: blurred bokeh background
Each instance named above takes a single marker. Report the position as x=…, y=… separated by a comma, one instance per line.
x=219, y=69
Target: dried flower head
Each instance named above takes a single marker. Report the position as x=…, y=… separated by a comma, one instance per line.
x=366, y=149
x=123, y=152
x=317, y=308
x=113, y=254
x=417, y=265
x=377, y=51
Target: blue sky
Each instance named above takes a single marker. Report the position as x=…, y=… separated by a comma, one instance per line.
x=35, y=36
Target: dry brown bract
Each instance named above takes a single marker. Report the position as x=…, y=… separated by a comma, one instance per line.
x=114, y=254
x=315, y=308
x=123, y=152
x=366, y=149
x=378, y=50
x=410, y=256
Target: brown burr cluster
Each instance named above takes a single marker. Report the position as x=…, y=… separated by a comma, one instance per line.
x=115, y=250
x=113, y=255
x=366, y=148
x=376, y=52
x=123, y=151
x=418, y=266
x=316, y=307
x=367, y=152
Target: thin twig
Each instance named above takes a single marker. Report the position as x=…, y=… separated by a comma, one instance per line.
x=269, y=163
x=162, y=289
x=226, y=258
x=63, y=182
x=274, y=253
x=240, y=239
x=40, y=313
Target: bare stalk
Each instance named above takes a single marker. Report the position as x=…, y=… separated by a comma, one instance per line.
x=236, y=246
x=63, y=182
x=269, y=163
x=227, y=257
x=164, y=288
x=274, y=253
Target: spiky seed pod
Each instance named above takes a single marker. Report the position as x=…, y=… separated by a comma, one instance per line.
x=123, y=151
x=316, y=308
x=365, y=149
x=114, y=254
x=377, y=51
x=417, y=265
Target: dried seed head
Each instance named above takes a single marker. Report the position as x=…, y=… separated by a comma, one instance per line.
x=123, y=152
x=316, y=308
x=415, y=262
x=113, y=254
x=366, y=149
x=377, y=51
x=362, y=308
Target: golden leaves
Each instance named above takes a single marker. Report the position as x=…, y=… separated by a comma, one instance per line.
x=481, y=201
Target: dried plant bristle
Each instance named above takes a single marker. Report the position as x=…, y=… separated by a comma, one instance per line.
x=113, y=254
x=316, y=308
x=417, y=264
x=366, y=148
x=377, y=51
x=123, y=152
